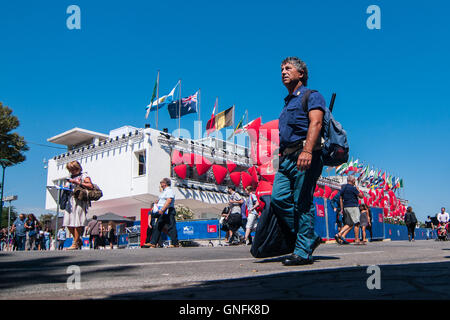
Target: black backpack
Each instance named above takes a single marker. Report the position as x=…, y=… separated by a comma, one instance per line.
x=335, y=149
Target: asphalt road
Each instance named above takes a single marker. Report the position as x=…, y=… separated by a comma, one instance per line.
x=407, y=270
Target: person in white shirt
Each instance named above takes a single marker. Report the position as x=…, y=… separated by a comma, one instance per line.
x=443, y=217
x=252, y=218
x=166, y=209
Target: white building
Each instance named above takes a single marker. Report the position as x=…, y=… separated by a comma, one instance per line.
x=129, y=163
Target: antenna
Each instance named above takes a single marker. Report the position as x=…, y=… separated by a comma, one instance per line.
x=333, y=97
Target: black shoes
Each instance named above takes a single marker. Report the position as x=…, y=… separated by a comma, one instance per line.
x=295, y=260
x=315, y=244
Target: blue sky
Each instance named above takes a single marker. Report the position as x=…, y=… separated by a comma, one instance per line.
x=391, y=84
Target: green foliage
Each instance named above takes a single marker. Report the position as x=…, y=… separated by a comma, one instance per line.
x=14, y=215
x=183, y=213
x=46, y=218
x=12, y=145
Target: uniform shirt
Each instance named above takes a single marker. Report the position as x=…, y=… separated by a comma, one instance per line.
x=20, y=227
x=349, y=195
x=294, y=121
x=443, y=217
x=235, y=207
x=166, y=194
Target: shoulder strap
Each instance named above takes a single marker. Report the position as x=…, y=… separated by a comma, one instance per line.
x=305, y=99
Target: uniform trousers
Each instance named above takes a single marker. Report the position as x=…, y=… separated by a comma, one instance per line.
x=292, y=198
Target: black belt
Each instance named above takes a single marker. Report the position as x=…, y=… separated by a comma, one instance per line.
x=298, y=146
x=292, y=148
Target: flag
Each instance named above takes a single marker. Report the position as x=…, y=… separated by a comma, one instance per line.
x=210, y=125
x=252, y=129
x=341, y=168
x=242, y=128
x=153, y=95
x=401, y=183
x=221, y=120
x=238, y=127
x=188, y=105
x=161, y=102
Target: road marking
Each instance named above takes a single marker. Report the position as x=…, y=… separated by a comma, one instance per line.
x=138, y=264
x=349, y=253
x=129, y=264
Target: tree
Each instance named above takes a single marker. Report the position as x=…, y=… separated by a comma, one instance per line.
x=47, y=220
x=183, y=213
x=12, y=145
x=4, y=222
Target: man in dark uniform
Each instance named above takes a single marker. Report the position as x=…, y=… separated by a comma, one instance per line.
x=300, y=162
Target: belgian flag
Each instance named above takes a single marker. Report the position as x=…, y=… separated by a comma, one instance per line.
x=221, y=120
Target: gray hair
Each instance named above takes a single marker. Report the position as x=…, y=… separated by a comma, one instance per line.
x=350, y=178
x=299, y=65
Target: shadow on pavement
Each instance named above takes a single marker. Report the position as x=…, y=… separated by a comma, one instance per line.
x=413, y=281
x=16, y=274
x=280, y=259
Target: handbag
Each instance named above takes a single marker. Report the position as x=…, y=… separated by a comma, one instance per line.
x=84, y=194
x=273, y=236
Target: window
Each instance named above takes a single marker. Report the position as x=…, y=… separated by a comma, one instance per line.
x=140, y=156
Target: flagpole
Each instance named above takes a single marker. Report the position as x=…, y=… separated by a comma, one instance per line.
x=214, y=113
x=199, y=100
x=179, y=111
x=157, y=100
x=234, y=108
x=246, y=136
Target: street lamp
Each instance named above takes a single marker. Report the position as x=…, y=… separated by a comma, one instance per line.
x=4, y=163
x=9, y=199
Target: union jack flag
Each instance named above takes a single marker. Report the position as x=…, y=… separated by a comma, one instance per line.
x=190, y=99
x=188, y=105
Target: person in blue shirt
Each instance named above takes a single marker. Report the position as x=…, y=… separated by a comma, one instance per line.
x=20, y=230
x=300, y=163
x=350, y=208
x=61, y=237
x=335, y=203
x=47, y=239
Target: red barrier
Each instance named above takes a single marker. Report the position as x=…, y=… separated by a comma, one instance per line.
x=144, y=224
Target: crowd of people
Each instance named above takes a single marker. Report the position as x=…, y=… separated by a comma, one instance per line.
x=27, y=234
x=240, y=213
